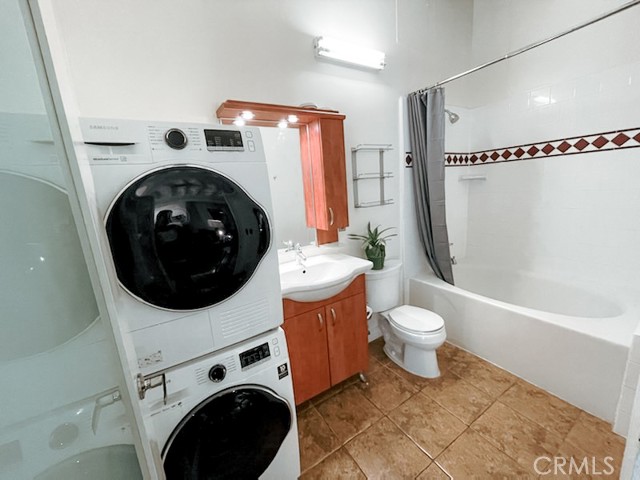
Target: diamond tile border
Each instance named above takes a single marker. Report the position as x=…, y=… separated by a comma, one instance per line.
x=597, y=142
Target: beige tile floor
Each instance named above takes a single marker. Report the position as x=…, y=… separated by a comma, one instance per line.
x=475, y=421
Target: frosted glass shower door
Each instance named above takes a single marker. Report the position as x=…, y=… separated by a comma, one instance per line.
x=62, y=414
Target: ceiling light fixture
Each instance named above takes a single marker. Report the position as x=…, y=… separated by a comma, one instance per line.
x=347, y=53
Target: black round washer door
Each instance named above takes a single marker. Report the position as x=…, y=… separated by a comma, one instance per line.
x=185, y=238
x=233, y=435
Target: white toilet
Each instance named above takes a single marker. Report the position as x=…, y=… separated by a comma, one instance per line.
x=411, y=334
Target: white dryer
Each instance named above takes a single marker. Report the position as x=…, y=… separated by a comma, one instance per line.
x=230, y=415
x=184, y=211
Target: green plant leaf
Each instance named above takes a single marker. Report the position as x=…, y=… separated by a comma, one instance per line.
x=374, y=239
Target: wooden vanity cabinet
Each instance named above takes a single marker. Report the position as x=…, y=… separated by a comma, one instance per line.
x=327, y=340
x=308, y=353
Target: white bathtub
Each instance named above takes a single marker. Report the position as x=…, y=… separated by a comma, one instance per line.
x=563, y=338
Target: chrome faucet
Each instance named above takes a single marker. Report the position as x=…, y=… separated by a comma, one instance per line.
x=300, y=256
x=289, y=245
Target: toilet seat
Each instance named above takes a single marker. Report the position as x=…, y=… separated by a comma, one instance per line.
x=415, y=319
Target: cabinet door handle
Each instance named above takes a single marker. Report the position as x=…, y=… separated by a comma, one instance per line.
x=330, y=216
x=320, y=320
x=333, y=314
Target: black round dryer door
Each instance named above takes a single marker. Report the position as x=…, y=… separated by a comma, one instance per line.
x=185, y=238
x=233, y=435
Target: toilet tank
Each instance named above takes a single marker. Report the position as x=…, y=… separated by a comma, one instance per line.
x=383, y=286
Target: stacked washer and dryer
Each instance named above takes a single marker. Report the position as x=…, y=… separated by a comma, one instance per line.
x=186, y=233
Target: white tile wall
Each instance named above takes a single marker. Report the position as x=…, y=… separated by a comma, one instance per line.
x=575, y=214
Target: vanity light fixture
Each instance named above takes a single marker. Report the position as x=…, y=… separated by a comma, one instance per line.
x=292, y=118
x=283, y=124
x=239, y=122
x=347, y=53
x=247, y=115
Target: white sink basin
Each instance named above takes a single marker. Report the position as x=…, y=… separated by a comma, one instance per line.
x=321, y=277
x=105, y=463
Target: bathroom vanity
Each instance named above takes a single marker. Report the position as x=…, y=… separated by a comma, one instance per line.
x=327, y=339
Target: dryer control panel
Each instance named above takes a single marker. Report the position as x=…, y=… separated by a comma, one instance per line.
x=135, y=142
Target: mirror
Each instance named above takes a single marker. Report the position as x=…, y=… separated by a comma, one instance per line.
x=282, y=151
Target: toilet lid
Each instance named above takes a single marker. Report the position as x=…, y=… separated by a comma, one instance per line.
x=416, y=319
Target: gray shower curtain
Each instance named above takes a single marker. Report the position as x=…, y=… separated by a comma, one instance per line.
x=426, y=132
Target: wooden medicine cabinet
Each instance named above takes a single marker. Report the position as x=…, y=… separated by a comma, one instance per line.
x=323, y=158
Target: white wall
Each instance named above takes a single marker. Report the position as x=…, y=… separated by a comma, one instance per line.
x=158, y=59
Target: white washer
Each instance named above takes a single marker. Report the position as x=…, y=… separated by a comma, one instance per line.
x=230, y=415
x=184, y=212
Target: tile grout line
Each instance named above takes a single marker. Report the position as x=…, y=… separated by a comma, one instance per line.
x=468, y=427
x=433, y=458
x=361, y=433
x=357, y=433
x=566, y=440
x=348, y=440
x=386, y=415
x=497, y=447
x=452, y=413
x=322, y=458
x=497, y=400
x=562, y=436
x=494, y=400
x=343, y=444
x=355, y=461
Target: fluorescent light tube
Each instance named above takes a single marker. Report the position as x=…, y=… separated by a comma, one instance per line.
x=348, y=53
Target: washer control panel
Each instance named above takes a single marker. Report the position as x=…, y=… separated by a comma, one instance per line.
x=255, y=355
x=166, y=139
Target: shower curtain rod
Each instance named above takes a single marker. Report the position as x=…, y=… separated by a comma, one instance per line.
x=535, y=45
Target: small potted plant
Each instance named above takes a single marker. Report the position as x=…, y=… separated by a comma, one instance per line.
x=374, y=243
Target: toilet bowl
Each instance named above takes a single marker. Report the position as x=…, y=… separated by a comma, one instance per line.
x=411, y=334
